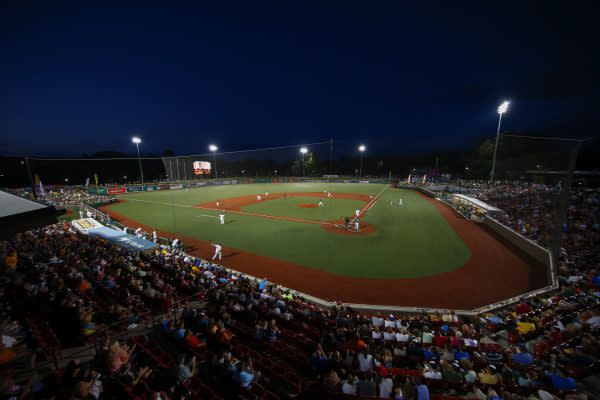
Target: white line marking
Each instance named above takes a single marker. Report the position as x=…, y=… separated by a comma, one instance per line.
x=370, y=204
x=204, y=215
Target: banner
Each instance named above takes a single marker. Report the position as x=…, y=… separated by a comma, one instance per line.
x=174, y=187
x=117, y=190
x=96, y=179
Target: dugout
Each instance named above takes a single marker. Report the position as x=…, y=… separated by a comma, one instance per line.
x=476, y=206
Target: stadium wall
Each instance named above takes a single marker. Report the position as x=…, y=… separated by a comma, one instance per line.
x=529, y=247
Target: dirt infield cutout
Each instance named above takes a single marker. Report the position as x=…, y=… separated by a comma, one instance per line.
x=308, y=205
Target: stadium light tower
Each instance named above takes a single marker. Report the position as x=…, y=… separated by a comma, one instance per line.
x=303, y=150
x=214, y=148
x=501, y=110
x=137, y=142
x=362, y=149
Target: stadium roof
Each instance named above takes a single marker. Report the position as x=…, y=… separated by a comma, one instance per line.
x=11, y=205
x=18, y=214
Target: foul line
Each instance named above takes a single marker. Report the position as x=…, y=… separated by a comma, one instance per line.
x=308, y=221
x=369, y=205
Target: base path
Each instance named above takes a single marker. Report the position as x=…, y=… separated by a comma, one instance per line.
x=494, y=272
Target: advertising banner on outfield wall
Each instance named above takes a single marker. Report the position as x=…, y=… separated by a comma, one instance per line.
x=174, y=187
x=97, y=191
x=117, y=190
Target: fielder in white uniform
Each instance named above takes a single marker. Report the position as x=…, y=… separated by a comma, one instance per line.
x=320, y=203
x=357, y=212
x=218, y=203
x=222, y=218
x=329, y=194
x=154, y=236
x=266, y=193
x=357, y=224
x=258, y=197
x=217, y=251
x=400, y=203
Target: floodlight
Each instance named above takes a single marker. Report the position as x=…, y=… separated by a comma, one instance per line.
x=136, y=140
x=362, y=147
x=303, y=150
x=213, y=148
x=503, y=107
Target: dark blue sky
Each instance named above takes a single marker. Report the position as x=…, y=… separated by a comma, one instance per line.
x=85, y=76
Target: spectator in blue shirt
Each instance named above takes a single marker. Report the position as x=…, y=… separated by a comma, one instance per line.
x=245, y=376
x=421, y=389
x=263, y=284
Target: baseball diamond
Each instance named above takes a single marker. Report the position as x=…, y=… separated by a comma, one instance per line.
x=419, y=253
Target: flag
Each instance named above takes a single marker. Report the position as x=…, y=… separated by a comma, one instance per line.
x=96, y=179
x=424, y=178
x=87, y=182
x=408, y=180
x=42, y=192
x=36, y=179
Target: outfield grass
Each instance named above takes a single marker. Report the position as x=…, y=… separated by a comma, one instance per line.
x=409, y=241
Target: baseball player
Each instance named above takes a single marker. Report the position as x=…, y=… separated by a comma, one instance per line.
x=266, y=194
x=217, y=250
x=218, y=203
x=138, y=232
x=357, y=225
x=320, y=202
x=258, y=197
x=347, y=223
x=400, y=203
x=154, y=236
x=329, y=194
x=357, y=212
x=221, y=219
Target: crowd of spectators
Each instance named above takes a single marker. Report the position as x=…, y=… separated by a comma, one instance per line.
x=221, y=334
x=64, y=195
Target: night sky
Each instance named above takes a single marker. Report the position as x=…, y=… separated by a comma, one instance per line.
x=86, y=76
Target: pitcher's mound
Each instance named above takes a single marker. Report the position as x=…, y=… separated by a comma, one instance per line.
x=308, y=205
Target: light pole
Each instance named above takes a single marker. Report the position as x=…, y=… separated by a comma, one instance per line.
x=362, y=149
x=214, y=148
x=137, y=142
x=303, y=150
x=501, y=110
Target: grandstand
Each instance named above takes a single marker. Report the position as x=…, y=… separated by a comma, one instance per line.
x=163, y=321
